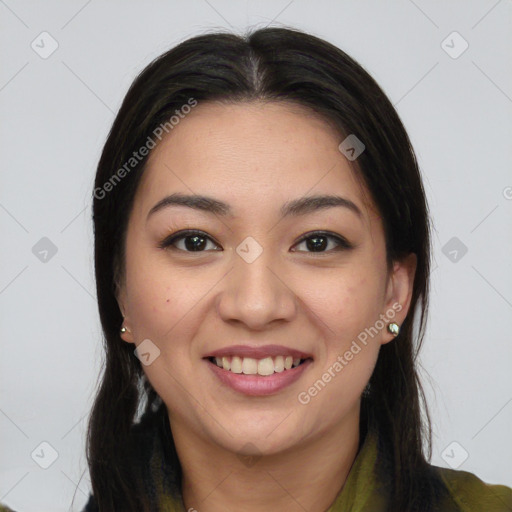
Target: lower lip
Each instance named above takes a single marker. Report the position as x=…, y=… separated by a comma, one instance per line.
x=257, y=385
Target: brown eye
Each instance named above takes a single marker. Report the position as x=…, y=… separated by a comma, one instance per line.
x=323, y=242
x=188, y=241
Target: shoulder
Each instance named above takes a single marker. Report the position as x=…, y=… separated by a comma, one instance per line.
x=471, y=494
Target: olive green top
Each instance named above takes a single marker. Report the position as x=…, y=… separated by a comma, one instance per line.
x=365, y=492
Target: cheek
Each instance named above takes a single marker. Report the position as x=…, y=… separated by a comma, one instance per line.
x=348, y=303
x=349, y=307
x=157, y=298
x=158, y=310
x=162, y=307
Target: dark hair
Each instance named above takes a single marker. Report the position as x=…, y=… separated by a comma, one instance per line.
x=272, y=64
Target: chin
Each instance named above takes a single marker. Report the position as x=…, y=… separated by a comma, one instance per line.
x=257, y=441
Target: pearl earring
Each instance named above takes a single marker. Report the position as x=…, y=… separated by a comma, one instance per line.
x=123, y=329
x=393, y=328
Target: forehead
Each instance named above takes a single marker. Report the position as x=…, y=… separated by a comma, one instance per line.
x=257, y=152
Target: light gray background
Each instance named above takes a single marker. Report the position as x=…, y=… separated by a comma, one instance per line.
x=56, y=113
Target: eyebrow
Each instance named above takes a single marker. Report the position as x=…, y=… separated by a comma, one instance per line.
x=295, y=207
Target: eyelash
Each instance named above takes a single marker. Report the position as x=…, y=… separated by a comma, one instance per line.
x=168, y=242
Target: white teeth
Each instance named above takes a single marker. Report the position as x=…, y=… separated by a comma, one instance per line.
x=266, y=366
x=279, y=364
x=251, y=366
x=236, y=364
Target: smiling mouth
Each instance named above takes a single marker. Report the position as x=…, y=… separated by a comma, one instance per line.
x=262, y=367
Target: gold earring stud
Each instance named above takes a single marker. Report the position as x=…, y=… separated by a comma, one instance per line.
x=123, y=329
x=393, y=328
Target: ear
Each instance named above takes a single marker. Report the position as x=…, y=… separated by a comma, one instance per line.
x=399, y=292
x=121, y=301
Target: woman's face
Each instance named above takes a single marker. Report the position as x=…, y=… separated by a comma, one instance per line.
x=256, y=283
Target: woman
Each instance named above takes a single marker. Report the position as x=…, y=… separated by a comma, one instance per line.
x=262, y=253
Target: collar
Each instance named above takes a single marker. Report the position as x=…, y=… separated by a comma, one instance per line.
x=363, y=490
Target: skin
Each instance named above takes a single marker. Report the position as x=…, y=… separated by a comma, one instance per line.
x=257, y=156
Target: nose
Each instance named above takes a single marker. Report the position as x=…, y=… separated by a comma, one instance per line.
x=256, y=294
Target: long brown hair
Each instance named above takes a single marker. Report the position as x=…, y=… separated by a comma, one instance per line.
x=269, y=64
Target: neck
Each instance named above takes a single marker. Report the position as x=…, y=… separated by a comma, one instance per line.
x=308, y=476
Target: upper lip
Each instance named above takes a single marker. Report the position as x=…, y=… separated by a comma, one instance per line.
x=260, y=352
